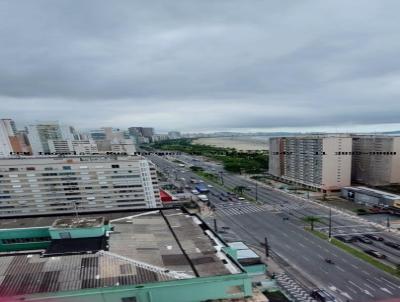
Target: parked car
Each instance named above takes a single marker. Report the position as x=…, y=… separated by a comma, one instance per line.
x=392, y=244
x=195, y=192
x=322, y=295
x=210, y=186
x=241, y=198
x=375, y=254
x=364, y=239
x=374, y=237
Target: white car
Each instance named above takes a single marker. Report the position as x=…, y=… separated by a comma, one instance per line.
x=210, y=186
x=195, y=192
x=203, y=197
x=241, y=198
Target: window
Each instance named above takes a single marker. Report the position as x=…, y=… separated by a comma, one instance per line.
x=129, y=299
x=48, y=168
x=66, y=167
x=13, y=169
x=65, y=235
x=115, y=167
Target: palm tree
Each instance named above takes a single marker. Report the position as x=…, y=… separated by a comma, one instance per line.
x=312, y=220
x=240, y=189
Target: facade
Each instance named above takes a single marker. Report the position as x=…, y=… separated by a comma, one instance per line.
x=60, y=146
x=46, y=185
x=5, y=144
x=123, y=146
x=20, y=143
x=142, y=132
x=39, y=135
x=320, y=162
x=79, y=147
x=9, y=126
x=84, y=146
x=376, y=160
x=133, y=256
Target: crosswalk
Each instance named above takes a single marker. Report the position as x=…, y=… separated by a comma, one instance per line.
x=291, y=206
x=240, y=208
x=297, y=293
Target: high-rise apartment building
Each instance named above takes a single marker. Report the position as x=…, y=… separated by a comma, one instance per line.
x=321, y=162
x=46, y=185
x=39, y=134
x=5, y=143
x=376, y=159
x=78, y=147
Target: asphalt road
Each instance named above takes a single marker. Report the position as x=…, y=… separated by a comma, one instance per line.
x=286, y=204
x=349, y=279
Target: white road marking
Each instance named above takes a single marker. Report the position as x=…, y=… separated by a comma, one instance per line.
x=355, y=266
x=340, y=269
x=351, y=289
x=302, y=245
x=365, y=272
x=355, y=285
x=395, y=285
x=386, y=290
x=346, y=295
x=307, y=259
x=369, y=286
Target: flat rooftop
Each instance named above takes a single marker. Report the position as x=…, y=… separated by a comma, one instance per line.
x=165, y=241
x=373, y=192
x=76, y=222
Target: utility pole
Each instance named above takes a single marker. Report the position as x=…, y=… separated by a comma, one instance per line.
x=266, y=247
x=222, y=179
x=215, y=225
x=330, y=223
x=256, y=191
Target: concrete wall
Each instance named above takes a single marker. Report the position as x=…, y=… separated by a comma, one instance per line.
x=188, y=290
x=23, y=233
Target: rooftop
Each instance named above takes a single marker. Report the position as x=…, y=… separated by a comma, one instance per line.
x=76, y=222
x=374, y=192
x=148, y=246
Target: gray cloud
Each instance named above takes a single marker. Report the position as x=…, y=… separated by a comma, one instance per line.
x=200, y=64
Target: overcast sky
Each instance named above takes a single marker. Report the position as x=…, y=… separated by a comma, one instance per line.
x=202, y=65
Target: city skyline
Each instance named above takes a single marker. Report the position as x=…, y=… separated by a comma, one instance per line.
x=201, y=67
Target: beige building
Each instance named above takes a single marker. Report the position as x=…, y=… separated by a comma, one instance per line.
x=317, y=161
x=376, y=159
x=47, y=185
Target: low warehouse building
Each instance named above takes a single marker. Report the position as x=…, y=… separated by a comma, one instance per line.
x=370, y=197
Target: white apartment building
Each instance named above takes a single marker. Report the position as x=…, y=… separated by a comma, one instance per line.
x=85, y=147
x=46, y=185
x=320, y=162
x=78, y=147
x=39, y=135
x=376, y=159
x=5, y=144
x=123, y=146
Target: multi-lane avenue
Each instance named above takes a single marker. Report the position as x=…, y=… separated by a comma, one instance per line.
x=350, y=279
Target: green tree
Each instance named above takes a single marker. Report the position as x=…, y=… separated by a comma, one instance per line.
x=312, y=220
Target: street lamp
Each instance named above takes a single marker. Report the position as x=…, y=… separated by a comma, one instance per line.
x=220, y=175
x=330, y=223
